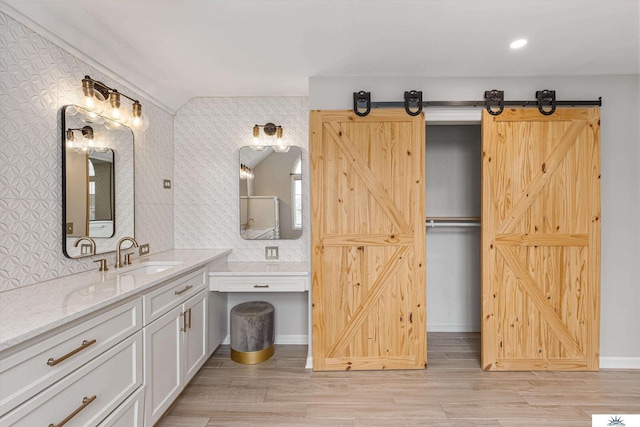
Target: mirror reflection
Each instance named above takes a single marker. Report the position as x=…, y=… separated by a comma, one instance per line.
x=270, y=194
x=97, y=180
x=90, y=193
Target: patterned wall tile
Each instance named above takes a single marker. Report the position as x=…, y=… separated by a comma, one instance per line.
x=36, y=79
x=155, y=226
x=208, y=135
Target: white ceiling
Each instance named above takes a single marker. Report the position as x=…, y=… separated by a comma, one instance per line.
x=178, y=49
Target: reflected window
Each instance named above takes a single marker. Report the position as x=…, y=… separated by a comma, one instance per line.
x=92, y=192
x=296, y=194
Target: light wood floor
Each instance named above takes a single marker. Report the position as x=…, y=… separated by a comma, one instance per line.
x=452, y=391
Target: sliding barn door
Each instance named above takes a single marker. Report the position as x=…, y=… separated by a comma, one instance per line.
x=368, y=240
x=541, y=240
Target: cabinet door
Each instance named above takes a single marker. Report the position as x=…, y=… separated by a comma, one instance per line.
x=195, y=339
x=541, y=240
x=163, y=363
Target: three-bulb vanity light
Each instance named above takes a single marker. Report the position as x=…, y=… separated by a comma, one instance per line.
x=99, y=98
x=88, y=142
x=270, y=130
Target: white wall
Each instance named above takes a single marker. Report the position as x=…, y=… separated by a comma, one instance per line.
x=620, y=136
x=208, y=135
x=37, y=78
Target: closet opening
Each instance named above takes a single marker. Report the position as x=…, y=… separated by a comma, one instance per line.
x=453, y=185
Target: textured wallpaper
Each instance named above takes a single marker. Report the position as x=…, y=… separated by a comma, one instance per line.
x=208, y=135
x=36, y=79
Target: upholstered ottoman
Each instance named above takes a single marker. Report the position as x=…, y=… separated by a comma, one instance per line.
x=252, y=332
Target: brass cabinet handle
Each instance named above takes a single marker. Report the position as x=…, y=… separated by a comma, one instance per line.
x=85, y=402
x=260, y=286
x=184, y=321
x=85, y=344
x=189, y=311
x=186, y=288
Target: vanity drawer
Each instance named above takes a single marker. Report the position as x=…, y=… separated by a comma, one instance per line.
x=257, y=283
x=167, y=296
x=27, y=372
x=89, y=394
x=129, y=414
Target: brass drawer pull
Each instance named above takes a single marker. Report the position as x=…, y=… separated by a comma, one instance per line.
x=260, y=286
x=85, y=344
x=85, y=403
x=186, y=288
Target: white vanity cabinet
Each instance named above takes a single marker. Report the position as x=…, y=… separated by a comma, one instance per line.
x=69, y=375
x=137, y=334
x=25, y=373
x=175, y=340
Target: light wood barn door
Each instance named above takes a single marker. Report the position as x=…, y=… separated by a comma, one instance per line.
x=541, y=240
x=368, y=240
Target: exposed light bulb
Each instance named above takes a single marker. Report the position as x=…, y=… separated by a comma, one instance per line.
x=138, y=121
x=517, y=44
x=257, y=142
x=114, y=111
x=91, y=99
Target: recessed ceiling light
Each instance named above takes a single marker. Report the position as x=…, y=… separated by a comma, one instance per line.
x=517, y=44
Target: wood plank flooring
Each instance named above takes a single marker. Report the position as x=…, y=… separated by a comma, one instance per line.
x=452, y=391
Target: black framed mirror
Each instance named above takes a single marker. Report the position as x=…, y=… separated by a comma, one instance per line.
x=98, y=160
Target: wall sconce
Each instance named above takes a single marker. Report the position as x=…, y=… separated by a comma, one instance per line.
x=87, y=144
x=97, y=97
x=245, y=172
x=270, y=130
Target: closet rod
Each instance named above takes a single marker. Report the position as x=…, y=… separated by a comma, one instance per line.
x=453, y=218
x=446, y=221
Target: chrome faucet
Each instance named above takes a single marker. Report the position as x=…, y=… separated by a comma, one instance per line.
x=88, y=239
x=247, y=226
x=119, y=250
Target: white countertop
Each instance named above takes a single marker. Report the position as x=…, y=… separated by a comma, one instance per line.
x=35, y=309
x=263, y=269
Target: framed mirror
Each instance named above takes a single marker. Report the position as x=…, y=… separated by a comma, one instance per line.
x=270, y=193
x=97, y=182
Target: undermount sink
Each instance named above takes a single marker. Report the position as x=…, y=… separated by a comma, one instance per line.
x=148, y=268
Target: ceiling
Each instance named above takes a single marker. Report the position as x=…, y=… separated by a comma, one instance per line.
x=178, y=49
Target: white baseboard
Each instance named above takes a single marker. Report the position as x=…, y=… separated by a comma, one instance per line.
x=465, y=327
x=281, y=339
x=620, y=362
x=309, y=364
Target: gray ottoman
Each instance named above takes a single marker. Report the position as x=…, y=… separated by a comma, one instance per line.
x=252, y=336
